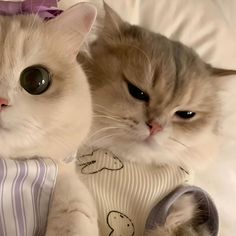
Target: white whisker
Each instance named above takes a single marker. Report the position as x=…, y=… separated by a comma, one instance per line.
x=177, y=141
x=104, y=138
x=108, y=117
x=35, y=16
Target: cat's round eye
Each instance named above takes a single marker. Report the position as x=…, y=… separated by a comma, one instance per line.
x=186, y=115
x=137, y=93
x=35, y=79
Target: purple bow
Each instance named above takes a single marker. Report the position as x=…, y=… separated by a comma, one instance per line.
x=46, y=9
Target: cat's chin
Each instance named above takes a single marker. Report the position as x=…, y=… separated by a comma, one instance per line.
x=146, y=151
x=149, y=140
x=42, y=150
x=59, y=144
x=153, y=151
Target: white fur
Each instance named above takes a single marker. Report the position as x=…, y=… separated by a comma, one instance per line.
x=192, y=151
x=54, y=123
x=73, y=211
x=219, y=178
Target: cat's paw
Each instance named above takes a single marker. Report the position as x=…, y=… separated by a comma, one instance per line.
x=73, y=224
x=187, y=211
x=73, y=211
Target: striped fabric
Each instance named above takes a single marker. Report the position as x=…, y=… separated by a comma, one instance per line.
x=26, y=187
x=126, y=192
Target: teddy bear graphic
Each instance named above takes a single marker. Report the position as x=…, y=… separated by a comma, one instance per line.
x=120, y=224
x=98, y=160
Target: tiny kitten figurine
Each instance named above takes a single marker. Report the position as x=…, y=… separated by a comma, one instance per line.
x=155, y=101
x=45, y=111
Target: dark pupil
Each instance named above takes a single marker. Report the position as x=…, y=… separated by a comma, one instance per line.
x=137, y=93
x=185, y=114
x=35, y=80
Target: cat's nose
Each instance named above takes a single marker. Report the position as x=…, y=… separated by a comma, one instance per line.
x=154, y=127
x=3, y=103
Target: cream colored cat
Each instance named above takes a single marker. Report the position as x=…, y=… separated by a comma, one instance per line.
x=45, y=105
x=155, y=101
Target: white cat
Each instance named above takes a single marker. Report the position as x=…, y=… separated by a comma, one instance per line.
x=45, y=105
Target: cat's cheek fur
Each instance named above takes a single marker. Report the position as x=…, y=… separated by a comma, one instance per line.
x=47, y=127
x=168, y=146
x=198, y=147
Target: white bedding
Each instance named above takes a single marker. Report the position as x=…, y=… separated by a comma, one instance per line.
x=209, y=26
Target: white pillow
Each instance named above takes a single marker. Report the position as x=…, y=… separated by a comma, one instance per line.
x=208, y=27
x=199, y=24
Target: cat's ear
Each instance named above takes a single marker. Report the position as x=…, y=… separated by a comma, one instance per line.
x=218, y=72
x=112, y=21
x=219, y=80
x=75, y=23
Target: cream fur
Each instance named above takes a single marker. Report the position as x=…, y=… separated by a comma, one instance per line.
x=208, y=44
x=54, y=123
x=150, y=62
x=174, y=77
x=73, y=212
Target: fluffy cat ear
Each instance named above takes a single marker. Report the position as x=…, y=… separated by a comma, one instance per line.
x=75, y=23
x=112, y=21
x=218, y=75
x=218, y=72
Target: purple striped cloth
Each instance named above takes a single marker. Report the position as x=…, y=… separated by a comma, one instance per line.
x=26, y=188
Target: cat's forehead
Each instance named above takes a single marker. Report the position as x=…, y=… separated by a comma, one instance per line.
x=21, y=37
x=151, y=56
x=23, y=43
x=170, y=72
x=160, y=62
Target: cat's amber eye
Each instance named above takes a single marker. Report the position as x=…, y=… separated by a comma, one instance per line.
x=35, y=79
x=137, y=93
x=186, y=115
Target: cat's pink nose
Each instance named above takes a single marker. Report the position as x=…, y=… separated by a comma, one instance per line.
x=3, y=102
x=154, y=127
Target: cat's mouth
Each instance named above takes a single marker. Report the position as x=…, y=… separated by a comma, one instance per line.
x=2, y=127
x=150, y=140
x=3, y=107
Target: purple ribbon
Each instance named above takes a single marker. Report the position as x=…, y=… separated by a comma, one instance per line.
x=46, y=9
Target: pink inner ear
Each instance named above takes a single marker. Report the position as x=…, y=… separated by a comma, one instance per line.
x=89, y=18
x=77, y=19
